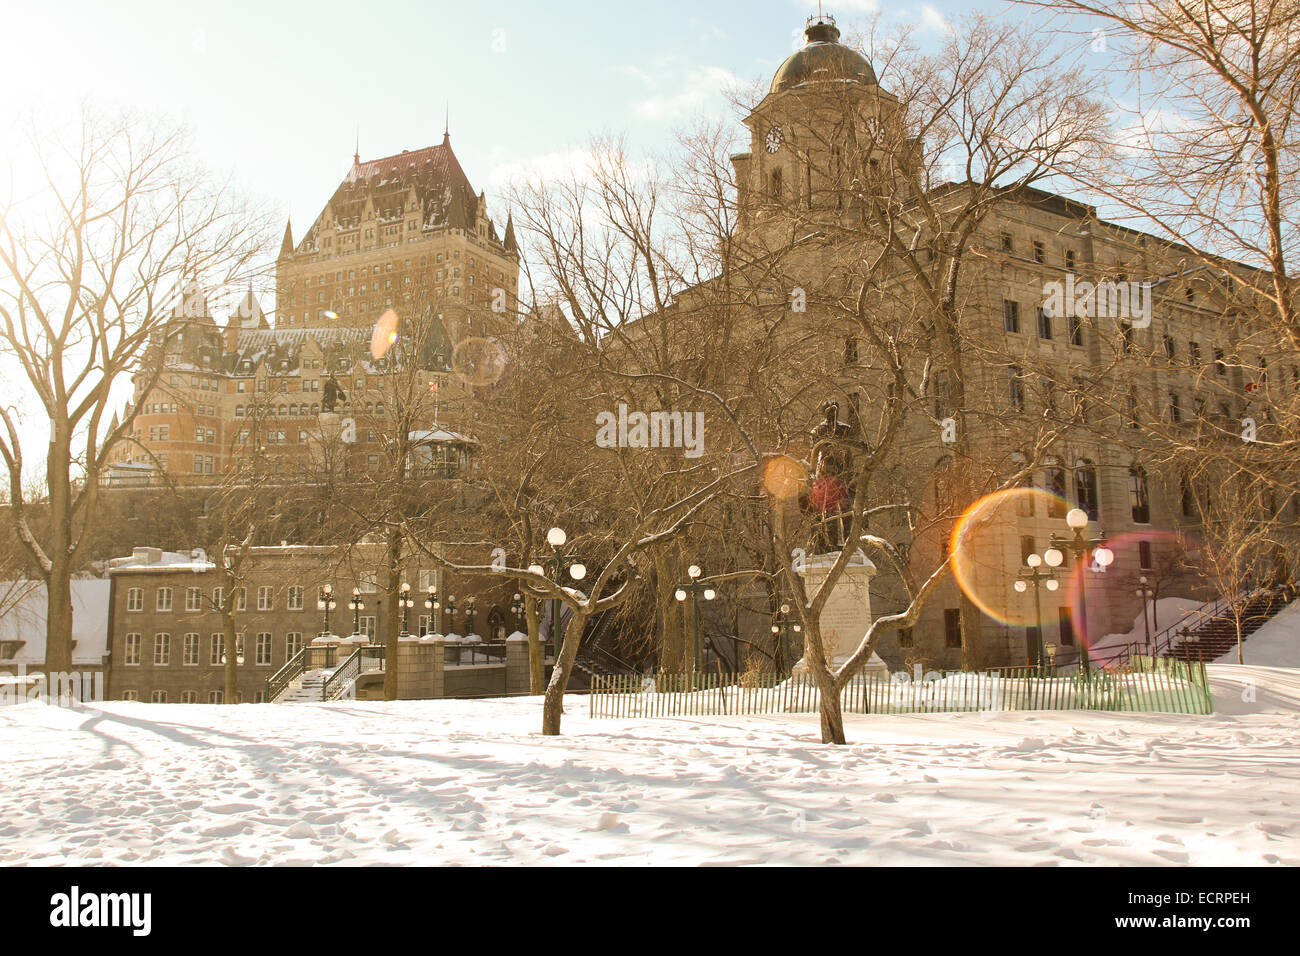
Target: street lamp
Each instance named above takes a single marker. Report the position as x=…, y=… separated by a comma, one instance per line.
x=471, y=603
x=1051, y=657
x=783, y=627
x=554, y=566
x=1037, y=577
x=325, y=602
x=517, y=609
x=1079, y=546
x=695, y=588
x=1146, y=592
x=431, y=603
x=405, y=602
x=356, y=604
x=451, y=614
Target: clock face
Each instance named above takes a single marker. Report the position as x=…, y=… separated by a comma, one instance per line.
x=774, y=139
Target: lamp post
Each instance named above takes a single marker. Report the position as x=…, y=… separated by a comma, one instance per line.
x=1079, y=546
x=471, y=604
x=1051, y=657
x=405, y=602
x=694, y=587
x=356, y=604
x=517, y=609
x=554, y=566
x=783, y=627
x=325, y=602
x=431, y=603
x=451, y=614
x=1038, y=578
x=1146, y=592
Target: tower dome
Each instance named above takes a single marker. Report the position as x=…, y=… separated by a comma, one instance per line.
x=823, y=59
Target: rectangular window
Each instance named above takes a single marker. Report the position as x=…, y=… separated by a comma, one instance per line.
x=1040, y=252
x=1008, y=245
x=1016, y=388
x=293, y=645
x=219, y=696
x=263, y=649
x=905, y=638
x=1126, y=340
x=163, y=601
x=368, y=626
x=1010, y=315
x=1220, y=366
x=162, y=648
x=190, y=650
x=294, y=597
x=368, y=582
x=241, y=600
x=158, y=697
x=1075, y=326
x=1064, y=625
x=1144, y=557
x=193, y=599
x=219, y=648
x=951, y=626
x=1194, y=353
x=135, y=599
x=1044, y=324
x=264, y=598
x=1026, y=549
x=132, y=648
x=130, y=695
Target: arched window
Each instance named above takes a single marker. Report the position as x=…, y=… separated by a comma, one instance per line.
x=1139, y=500
x=1085, y=487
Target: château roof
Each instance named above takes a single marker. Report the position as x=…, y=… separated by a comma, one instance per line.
x=380, y=187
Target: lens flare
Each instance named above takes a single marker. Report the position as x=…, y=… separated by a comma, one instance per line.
x=783, y=477
x=385, y=334
x=331, y=315
x=986, y=554
x=829, y=494
x=478, y=361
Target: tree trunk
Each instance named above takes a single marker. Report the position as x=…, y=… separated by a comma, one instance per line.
x=58, y=641
x=671, y=617
x=231, y=639
x=536, y=668
x=553, y=704
x=392, y=562
x=814, y=659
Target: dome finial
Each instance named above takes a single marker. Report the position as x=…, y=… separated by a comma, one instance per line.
x=821, y=28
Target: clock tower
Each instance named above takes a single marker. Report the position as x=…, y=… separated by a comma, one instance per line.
x=822, y=134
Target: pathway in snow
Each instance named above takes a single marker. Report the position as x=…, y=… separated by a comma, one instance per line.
x=473, y=782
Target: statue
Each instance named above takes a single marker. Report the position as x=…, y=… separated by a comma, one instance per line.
x=333, y=395
x=834, y=445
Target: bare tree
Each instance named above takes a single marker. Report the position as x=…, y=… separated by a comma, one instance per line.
x=93, y=246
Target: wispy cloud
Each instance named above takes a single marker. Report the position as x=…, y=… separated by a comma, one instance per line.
x=673, y=92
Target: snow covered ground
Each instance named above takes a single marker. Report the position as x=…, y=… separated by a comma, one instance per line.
x=473, y=782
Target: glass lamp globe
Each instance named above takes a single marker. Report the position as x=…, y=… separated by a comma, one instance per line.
x=775, y=629
x=556, y=537
x=1053, y=557
x=694, y=571
x=328, y=589
x=680, y=595
x=578, y=571
x=710, y=594
x=785, y=609
x=1053, y=584
x=1077, y=518
x=1022, y=587
x=536, y=569
x=1033, y=560
x=1104, y=557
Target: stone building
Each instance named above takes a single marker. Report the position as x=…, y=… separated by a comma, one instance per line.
x=165, y=642
x=404, y=233
x=826, y=134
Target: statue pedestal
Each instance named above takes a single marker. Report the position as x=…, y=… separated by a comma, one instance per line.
x=846, y=616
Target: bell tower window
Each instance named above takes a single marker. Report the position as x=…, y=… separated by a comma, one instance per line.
x=775, y=185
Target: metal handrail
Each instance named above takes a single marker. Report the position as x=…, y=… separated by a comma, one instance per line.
x=279, y=682
x=343, y=675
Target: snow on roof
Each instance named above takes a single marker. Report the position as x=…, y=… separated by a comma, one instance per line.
x=439, y=435
x=155, y=559
x=25, y=621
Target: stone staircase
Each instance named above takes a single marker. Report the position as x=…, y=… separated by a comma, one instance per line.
x=1217, y=635
x=309, y=687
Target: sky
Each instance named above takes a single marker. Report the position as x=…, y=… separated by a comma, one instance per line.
x=277, y=92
